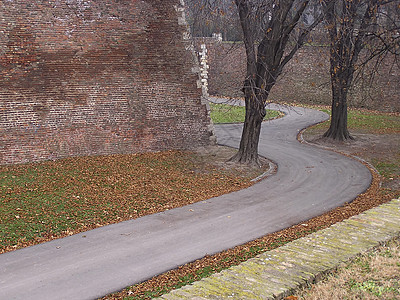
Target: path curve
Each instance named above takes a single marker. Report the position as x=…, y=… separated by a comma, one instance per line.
x=309, y=181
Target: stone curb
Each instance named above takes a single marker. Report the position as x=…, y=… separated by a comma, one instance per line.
x=278, y=273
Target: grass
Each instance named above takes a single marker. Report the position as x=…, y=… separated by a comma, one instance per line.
x=182, y=281
x=374, y=275
x=367, y=121
x=373, y=122
x=224, y=113
x=387, y=169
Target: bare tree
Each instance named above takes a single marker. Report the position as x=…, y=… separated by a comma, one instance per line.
x=272, y=33
x=354, y=26
x=206, y=17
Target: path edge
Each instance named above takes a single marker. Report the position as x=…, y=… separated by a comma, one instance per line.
x=280, y=272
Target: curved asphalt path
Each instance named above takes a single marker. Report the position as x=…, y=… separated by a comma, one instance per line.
x=309, y=182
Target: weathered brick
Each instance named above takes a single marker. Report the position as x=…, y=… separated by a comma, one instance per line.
x=96, y=77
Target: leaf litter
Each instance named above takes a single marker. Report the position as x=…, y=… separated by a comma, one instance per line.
x=102, y=176
x=53, y=199
x=375, y=195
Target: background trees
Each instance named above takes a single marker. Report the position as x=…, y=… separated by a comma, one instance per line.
x=354, y=26
x=359, y=33
x=272, y=32
x=207, y=17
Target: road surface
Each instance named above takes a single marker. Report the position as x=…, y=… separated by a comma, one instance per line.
x=309, y=181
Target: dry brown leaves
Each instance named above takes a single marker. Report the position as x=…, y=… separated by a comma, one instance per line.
x=51, y=200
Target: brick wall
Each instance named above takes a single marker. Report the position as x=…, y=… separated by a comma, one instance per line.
x=97, y=77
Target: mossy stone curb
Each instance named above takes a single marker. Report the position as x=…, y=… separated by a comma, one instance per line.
x=277, y=273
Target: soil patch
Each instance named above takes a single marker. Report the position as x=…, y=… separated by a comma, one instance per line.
x=367, y=145
x=219, y=157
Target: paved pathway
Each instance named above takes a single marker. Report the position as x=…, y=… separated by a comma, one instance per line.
x=278, y=273
x=309, y=182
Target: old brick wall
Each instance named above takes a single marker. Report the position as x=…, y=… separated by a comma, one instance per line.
x=89, y=77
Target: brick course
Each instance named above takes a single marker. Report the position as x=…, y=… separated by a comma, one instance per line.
x=97, y=77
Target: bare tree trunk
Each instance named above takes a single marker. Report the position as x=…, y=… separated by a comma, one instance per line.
x=338, y=128
x=341, y=78
x=255, y=113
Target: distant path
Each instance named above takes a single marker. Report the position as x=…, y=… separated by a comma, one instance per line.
x=309, y=182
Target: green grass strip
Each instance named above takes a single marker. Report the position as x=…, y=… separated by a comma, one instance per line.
x=224, y=113
x=368, y=121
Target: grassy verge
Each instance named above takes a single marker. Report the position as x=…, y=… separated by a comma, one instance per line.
x=223, y=113
x=365, y=121
x=374, y=275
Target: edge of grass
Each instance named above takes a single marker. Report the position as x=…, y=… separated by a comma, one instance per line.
x=221, y=113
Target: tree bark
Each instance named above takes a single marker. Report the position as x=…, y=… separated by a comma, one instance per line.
x=255, y=113
x=338, y=127
x=341, y=77
x=347, y=28
x=266, y=64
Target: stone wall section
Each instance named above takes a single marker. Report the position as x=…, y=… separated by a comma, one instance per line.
x=204, y=69
x=279, y=273
x=97, y=77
